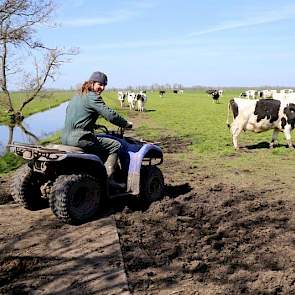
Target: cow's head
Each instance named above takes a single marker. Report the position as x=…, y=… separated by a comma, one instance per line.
x=289, y=111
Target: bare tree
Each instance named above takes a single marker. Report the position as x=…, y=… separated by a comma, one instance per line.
x=18, y=22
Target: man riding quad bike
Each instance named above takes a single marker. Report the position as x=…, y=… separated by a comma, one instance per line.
x=76, y=183
x=79, y=174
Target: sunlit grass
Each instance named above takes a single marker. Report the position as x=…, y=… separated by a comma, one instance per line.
x=193, y=115
x=10, y=162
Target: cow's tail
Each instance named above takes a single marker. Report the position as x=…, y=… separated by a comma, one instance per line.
x=229, y=107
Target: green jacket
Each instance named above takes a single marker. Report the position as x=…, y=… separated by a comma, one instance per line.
x=81, y=115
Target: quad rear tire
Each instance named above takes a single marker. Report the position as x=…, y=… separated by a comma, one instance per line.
x=151, y=184
x=76, y=198
x=25, y=188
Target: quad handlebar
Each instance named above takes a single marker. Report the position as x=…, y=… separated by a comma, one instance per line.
x=104, y=129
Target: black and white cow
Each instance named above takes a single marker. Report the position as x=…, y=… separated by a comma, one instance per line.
x=131, y=98
x=141, y=98
x=122, y=97
x=251, y=93
x=215, y=93
x=161, y=92
x=262, y=115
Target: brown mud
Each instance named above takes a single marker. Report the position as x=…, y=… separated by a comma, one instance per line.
x=210, y=239
x=204, y=237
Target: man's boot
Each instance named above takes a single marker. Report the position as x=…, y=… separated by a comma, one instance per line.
x=110, y=165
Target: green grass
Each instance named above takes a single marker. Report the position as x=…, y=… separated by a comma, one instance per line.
x=54, y=138
x=193, y=115
x=10, y=162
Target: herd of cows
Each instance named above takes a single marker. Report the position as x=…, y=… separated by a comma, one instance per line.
x=254, y=110
x=133, y=99
x=269, y=93
x=137, y=100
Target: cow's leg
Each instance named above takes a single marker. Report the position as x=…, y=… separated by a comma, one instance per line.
x=287, y=133
x=274, y=140
x=236, y=129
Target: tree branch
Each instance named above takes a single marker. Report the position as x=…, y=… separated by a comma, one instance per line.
x=3, y=77
x=53, y=63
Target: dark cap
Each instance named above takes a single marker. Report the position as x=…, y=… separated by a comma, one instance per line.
x=99, y=77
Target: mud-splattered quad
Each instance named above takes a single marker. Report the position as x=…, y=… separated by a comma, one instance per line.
x=75, y=183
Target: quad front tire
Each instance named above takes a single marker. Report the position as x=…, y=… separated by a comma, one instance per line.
x=76, y=198
x=151, y=184
x=25, y=188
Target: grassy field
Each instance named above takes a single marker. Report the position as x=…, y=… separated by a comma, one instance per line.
x=192, y=116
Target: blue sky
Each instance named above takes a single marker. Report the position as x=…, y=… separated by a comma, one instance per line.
x=192, y=42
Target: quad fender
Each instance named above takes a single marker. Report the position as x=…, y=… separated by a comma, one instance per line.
x=90, y=162
x=147, y=152
x=78, y=163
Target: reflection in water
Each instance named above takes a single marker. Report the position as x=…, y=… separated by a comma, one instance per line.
x=32, y=138
x=33, y=128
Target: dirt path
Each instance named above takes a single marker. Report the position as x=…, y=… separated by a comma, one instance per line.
x=4, y=190
x=40, y=255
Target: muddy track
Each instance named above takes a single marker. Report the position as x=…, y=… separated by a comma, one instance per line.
x=217, y=238
x=5, y=196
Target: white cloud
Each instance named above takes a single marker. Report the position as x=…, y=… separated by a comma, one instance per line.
x=131, y=10
x=284, y=13
x=117, y=16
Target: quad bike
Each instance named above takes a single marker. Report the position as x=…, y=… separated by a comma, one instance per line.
x=76, y=184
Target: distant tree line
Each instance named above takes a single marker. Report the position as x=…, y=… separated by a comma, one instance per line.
x=154, y=86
